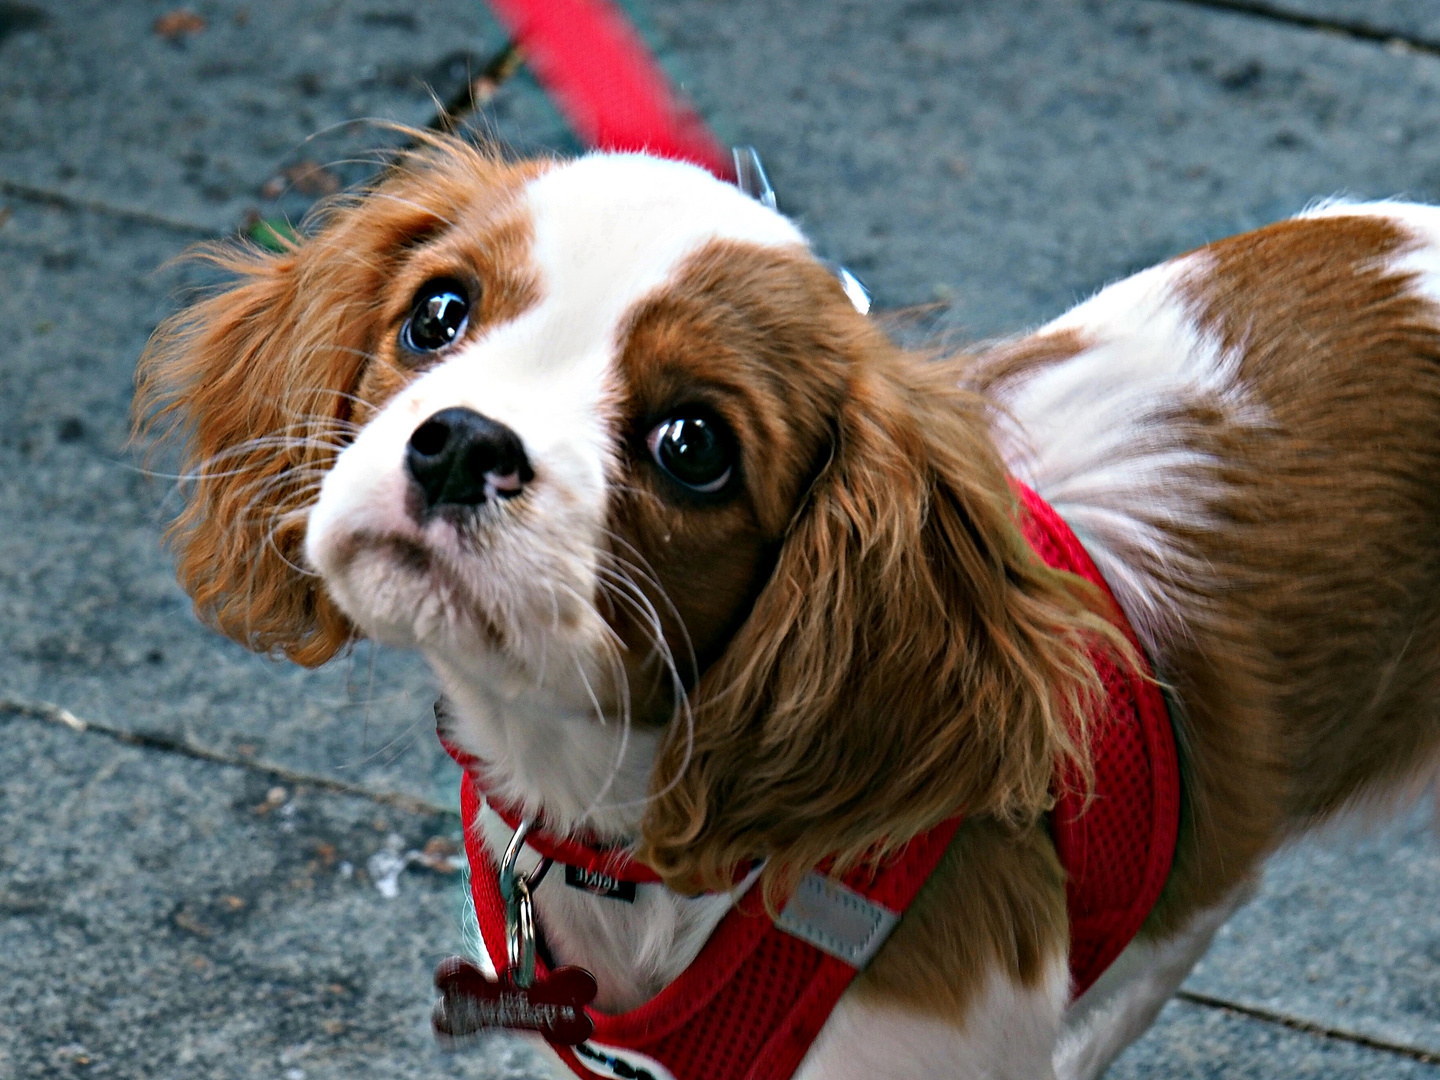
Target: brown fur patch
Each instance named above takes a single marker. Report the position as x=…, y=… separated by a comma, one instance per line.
x=267, y=380
x=993, y=908
x=1311, y=669
x=905, y=656
x=720, y=337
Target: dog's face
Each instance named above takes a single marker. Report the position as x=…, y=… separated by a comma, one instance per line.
x=593, y=400
x=604, y=435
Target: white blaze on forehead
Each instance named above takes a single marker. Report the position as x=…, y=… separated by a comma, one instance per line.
x=611, y=227
x=607, y=232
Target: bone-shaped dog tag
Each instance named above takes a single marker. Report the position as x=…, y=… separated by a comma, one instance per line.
x=553, y=1005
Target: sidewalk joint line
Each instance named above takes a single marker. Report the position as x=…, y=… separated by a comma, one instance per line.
x=1351, y=28
x=51, y=197
x=1309, y=1027
x=170, y=744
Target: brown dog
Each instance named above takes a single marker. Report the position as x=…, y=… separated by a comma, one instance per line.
x=708, y=566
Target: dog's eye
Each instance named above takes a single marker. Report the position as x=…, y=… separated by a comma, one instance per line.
x=695, y=449
x=437, y=316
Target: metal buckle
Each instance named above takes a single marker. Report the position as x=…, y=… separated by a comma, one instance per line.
x=515, y=891
x=751, y=179
x=750, y=176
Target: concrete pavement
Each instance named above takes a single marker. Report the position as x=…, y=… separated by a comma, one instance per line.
x=162, y=912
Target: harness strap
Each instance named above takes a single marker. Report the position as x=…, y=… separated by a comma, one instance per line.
x=1116, y=847
x=753, y=1001
x=706, y=1023
x=576, y=851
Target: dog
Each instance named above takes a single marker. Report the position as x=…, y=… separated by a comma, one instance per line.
x=712, y=571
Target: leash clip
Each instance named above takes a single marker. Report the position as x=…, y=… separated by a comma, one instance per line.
x=750, y=176
x=553, y=1005
x=515, y=891
x=751, y=179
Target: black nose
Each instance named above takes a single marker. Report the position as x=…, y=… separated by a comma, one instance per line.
x=460, y=458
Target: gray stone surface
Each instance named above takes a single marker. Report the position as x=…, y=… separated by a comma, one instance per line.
x=1344, y=935
x=997, y=159
x=163, y=918
x=1189, y=1042
x=1007, y=158
x=90, y=615
x=928, y=144
x=100, y=106
x=1418, y=19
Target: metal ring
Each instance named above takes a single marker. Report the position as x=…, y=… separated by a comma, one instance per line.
x=520, y=936
x=520, y=907
x=508, y=877
x=537, y=875
x=507, y=861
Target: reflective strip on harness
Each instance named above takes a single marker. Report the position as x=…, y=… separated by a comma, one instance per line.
x=837, y=920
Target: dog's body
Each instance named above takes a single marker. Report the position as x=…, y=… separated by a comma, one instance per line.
x=837, y=639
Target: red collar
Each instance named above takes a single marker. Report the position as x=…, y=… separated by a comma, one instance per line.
x=614, y=862
x=752, y=1002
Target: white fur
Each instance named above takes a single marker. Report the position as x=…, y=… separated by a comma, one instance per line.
x=634, y=949
x=1009, y=1034
x=1097, y=435
x=1124, y=1001
x=547, y=713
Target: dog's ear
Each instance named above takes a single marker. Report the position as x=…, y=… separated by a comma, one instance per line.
x=910, y=658
x=259, y=381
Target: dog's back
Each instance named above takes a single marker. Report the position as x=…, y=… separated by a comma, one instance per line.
x=1247, y=438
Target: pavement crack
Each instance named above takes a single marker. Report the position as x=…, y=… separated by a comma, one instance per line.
x=1309, y=1027
x=166, y=743
x=1351, y=28
x=51, y=197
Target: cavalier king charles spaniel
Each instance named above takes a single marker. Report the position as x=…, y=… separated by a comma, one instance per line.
x=709, y=567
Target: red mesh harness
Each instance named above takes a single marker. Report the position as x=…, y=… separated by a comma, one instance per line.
x=754, y=999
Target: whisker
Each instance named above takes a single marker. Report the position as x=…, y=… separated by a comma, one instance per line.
x=369, y=694
x=263, y=487
x=647, y=574
x=682, y=711
x=638, y=602
x=657, y=625
x=203, y=469
x=270, y=540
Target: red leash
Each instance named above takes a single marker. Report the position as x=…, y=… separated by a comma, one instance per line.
x=596, y=69
x=593, y=64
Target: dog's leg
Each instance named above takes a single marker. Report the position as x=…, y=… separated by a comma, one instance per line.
x=1009, y=1033
x=1125, y=1000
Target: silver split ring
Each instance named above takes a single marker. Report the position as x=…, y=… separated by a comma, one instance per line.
x=515, y=891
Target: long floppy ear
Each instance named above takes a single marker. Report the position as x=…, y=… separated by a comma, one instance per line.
x=910, y=658
x=259, y=383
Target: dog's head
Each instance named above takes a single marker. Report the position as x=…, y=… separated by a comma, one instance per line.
x=606, y=435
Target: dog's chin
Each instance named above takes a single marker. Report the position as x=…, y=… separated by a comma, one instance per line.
x=399, y=593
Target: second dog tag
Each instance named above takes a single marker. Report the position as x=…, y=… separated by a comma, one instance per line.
x=553, y=1005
